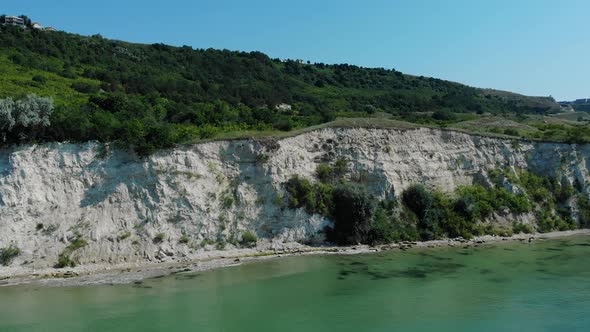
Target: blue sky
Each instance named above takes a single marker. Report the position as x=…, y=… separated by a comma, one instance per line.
x=534, y=47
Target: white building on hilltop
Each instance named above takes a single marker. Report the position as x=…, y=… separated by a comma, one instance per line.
x=14, y=20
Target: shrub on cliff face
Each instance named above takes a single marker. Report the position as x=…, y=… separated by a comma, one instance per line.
x=326, y=173
x=301, y=193
x=420, y=201
x=515, y=203
x=8, y=254
x=249, y=240
x=64, y=260
x=584, y=210
x=159, y=238
x=427, y=215
x=519, y=228
x=315, y=198
x=352, y=213
x=511, y=132
x=442, y=216
x=391, y=225
x=474, y=202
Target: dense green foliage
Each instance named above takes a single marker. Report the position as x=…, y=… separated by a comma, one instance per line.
x=551, y=196
x=153, y=96
x=8, y=254
x=442, y=216
x=423, y=214
x=393, y=223
x=352, y=213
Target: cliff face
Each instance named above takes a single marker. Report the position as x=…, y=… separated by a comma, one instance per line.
x=178, y=201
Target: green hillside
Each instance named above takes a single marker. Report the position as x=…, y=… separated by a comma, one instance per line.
x=580, y=105
x=154, y=96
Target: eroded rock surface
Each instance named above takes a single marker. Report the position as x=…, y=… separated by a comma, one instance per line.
x=173, y=203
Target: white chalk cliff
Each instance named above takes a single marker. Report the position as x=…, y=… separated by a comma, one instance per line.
x=213, y=192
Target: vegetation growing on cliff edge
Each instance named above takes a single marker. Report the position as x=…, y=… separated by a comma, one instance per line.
x=155, y=96
x=25, y=119
x=422, y=214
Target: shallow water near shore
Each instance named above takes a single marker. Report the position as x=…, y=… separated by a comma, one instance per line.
x=542, y=286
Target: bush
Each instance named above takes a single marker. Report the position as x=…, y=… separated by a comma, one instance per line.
x=262, y=158
x=511, y=132
x=474, y=202
x=382, y=228
x=249, y=240
x=420, y=201
x=386, y=227
x=85, y=87
x=515, y=203
x=491, y=229
x=340, y=169
x=184, y=239
x=64, y=260
x=564, y=191
x=328, y=174
x=519, y=228
x=39, y=79
x=77, y=243
x=443, y=115
x=283, y=124
x=352, y=212
x=324, y=173
x=227, y=202
x=446, y=221
x=159, y=238
x=301, y=193
x=8, y=254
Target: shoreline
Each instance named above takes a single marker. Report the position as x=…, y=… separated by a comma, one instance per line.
x=128, y=273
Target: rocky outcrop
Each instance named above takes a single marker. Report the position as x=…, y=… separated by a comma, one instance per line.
x=180, y=202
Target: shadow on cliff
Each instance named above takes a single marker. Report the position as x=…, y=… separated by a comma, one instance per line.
x=118, y=173
x=250, y=157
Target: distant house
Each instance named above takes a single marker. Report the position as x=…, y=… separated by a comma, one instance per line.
x=50, y=29
x=37, y=25
x=283, y=107
x=14, y=20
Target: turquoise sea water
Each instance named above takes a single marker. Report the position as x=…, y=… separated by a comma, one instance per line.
x=543, y=286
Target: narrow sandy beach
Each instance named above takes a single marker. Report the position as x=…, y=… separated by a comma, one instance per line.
x=105, y=274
